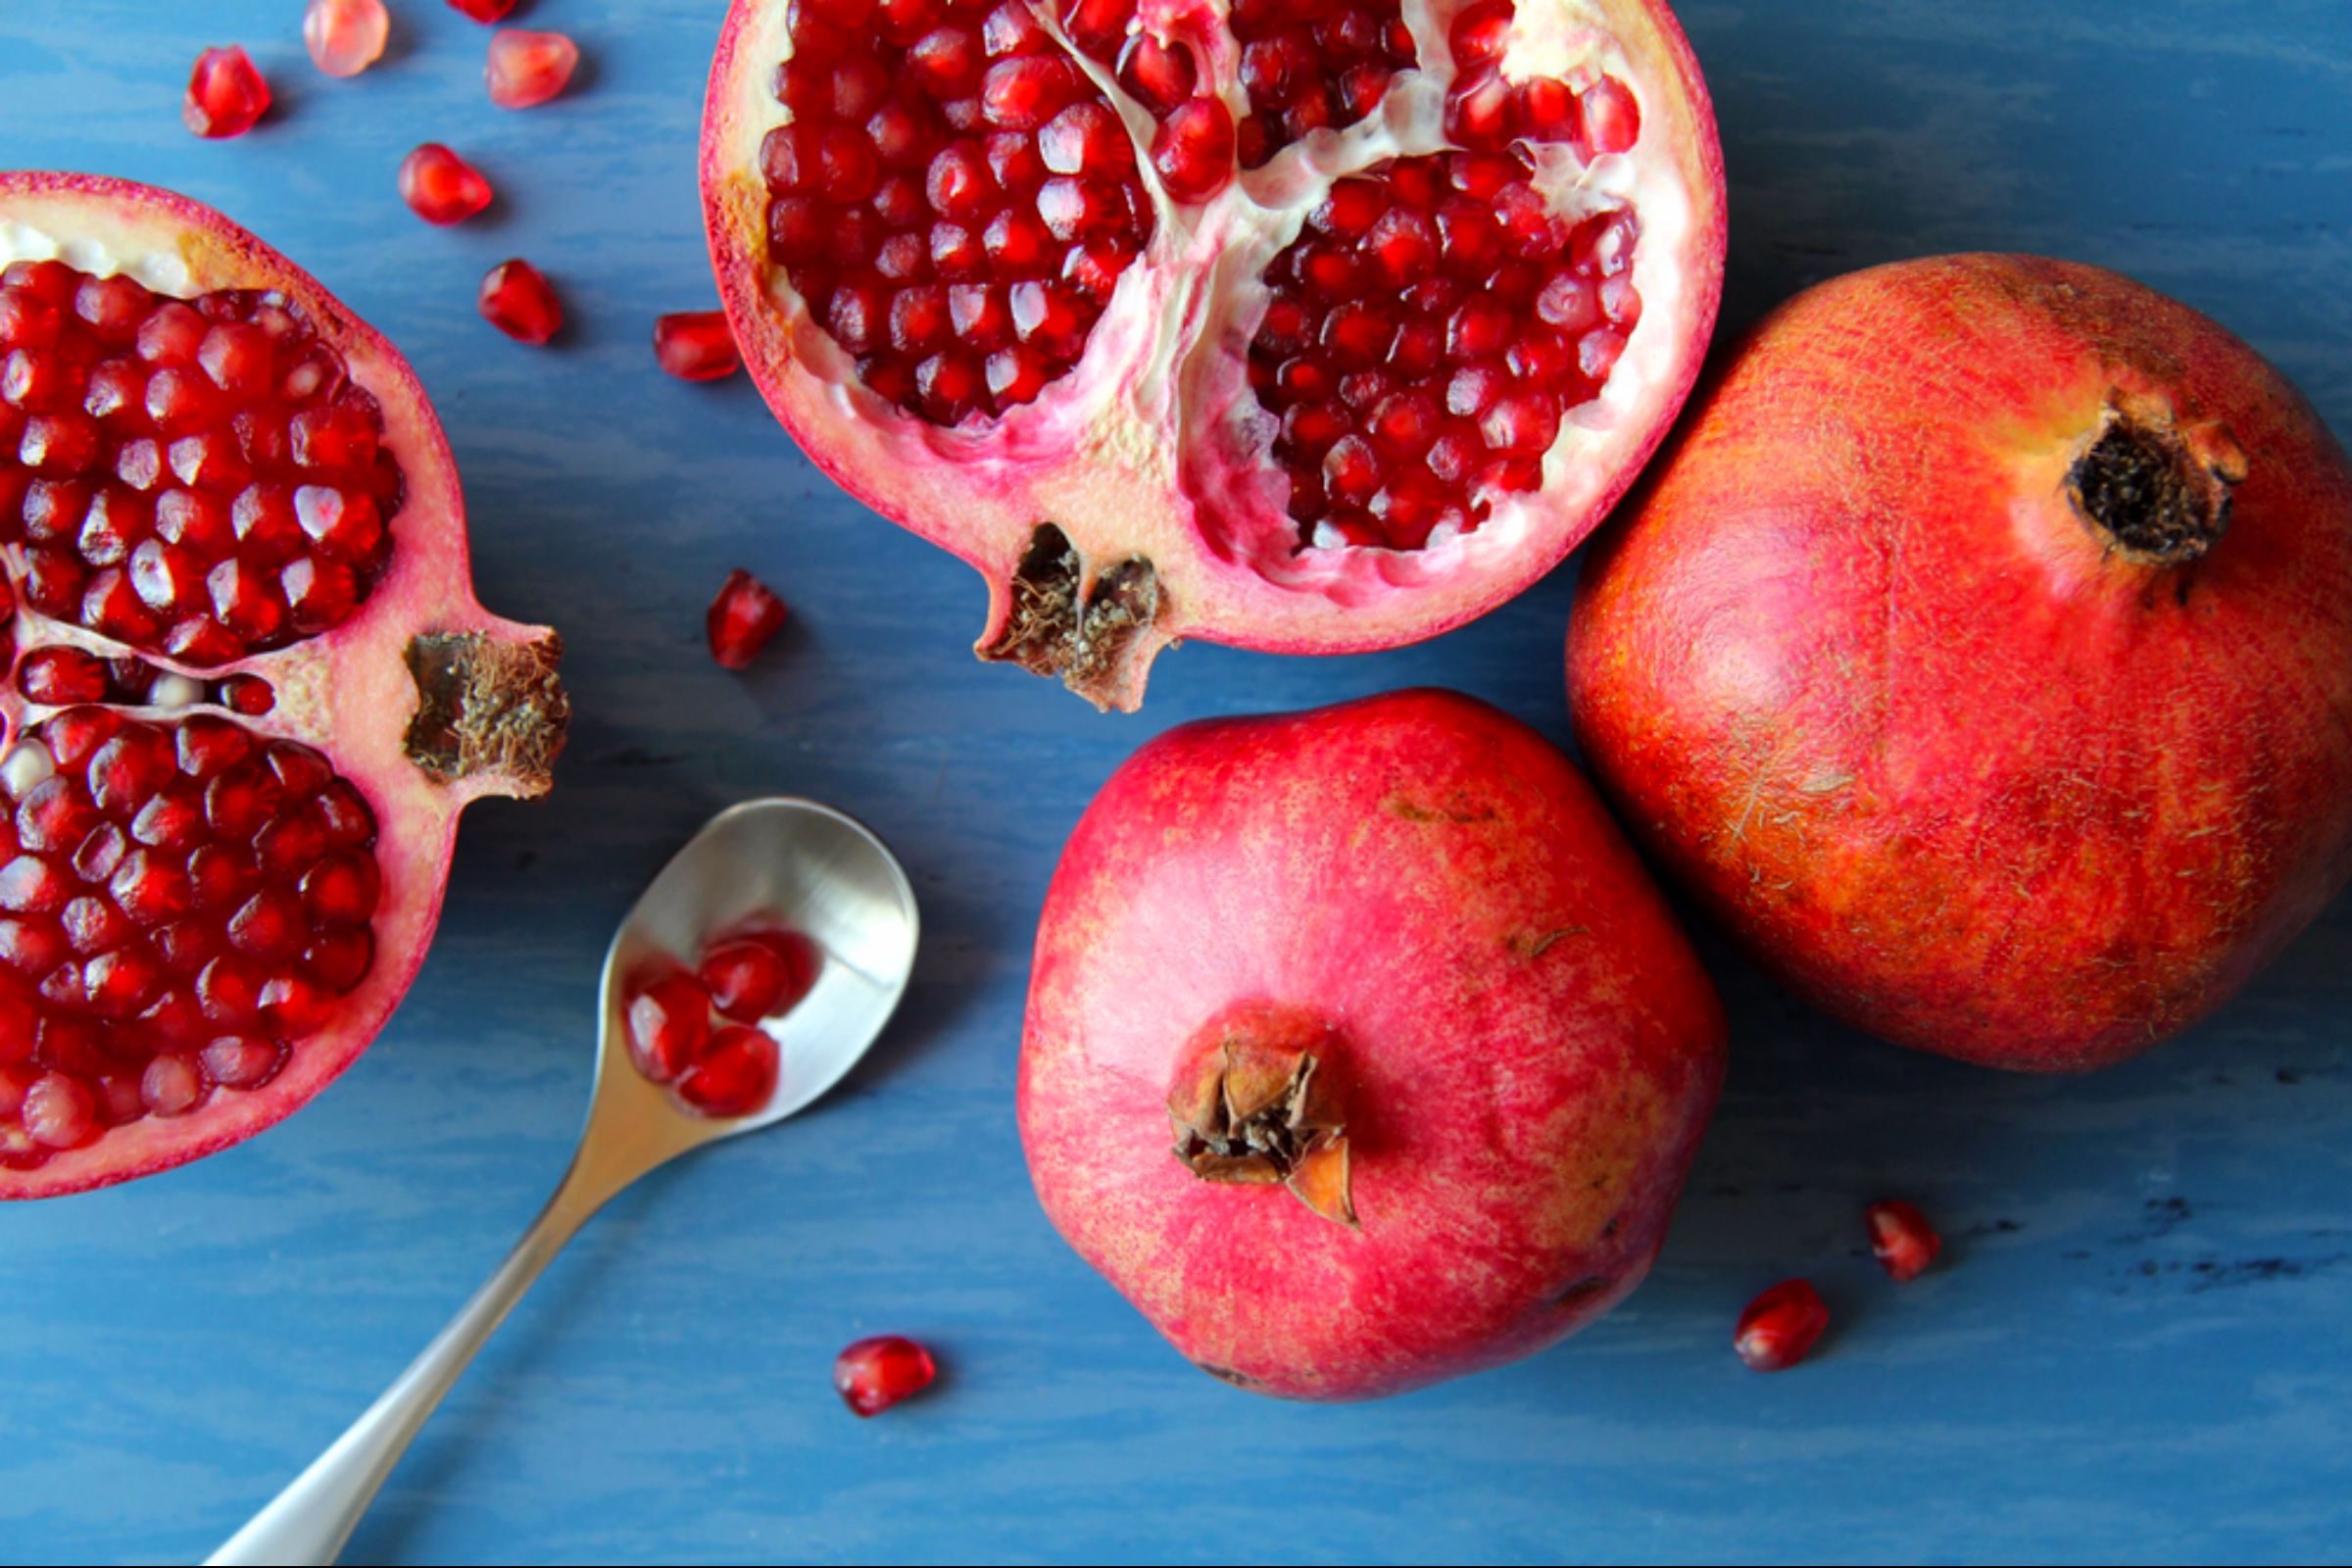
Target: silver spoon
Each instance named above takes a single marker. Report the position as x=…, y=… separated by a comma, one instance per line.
x=793, y=861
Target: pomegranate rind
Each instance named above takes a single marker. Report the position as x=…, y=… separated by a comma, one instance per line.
x=348, y=693
x=1523, y=1046
x=1104, y=457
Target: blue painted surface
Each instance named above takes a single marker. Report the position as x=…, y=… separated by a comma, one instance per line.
x=2140, y=1347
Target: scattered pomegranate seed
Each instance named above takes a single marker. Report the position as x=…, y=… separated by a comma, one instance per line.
x=668, y=1025
x=441, y=187
x=345, y=36
x=527, y=69
x=226, y=94
x=696, y=346
x=1901, y=1239
x=518, y=300
x=1780, y=1327
x=735, y=1075
x=759, y=974
x=875, y=1374
x=483, y=11
x=743, y=619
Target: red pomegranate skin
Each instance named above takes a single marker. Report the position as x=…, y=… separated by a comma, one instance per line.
x=1867, y=679
x=1524, y=1047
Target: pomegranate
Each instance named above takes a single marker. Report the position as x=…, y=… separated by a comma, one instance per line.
x=1983, y=660
x=1431, y=1053
x=872, y=1375
x=1779, y=1328
x=1312, y=331
x=251, y=686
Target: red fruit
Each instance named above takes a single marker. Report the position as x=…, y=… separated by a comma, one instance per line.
x=758, y=974
x=1901, y=1239
x=872, y=1375
x=441, y=187
x=517, y=299
x=345, y=36
x=210, y=913
x=667, y=1022
x=743, y=619
x=1081, y=260
x=226, y=94
x=527, y=69
x=1913, y=663
x=735, y=1074
x=483, y=11
x=696, y=346
x=1779, y=1329
x=1392, y=957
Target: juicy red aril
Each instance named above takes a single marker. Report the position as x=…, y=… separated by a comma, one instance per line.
x=696, y=346
x=528, y=69
x=517, y=299
x=965, y=149
x=483, y=11
x=1901, y=1239
x=345, y=36
x=872, y=1375
x=1418, y=293
x=226, y=94
x=758, y=974
x=743, y=619
x=202, y=423
x=735, y=1074
x=441, y=187
x=1780, y=1326
x=667, y=1022
x=1306, y=69
x=1192, y=151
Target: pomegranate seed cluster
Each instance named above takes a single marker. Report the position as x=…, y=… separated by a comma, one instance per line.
x=1311, y=65
x=720, y=1066
x=954, y=198
x=1192, y=146
x=180, y=904
x=1424, y=335
x=196, y=478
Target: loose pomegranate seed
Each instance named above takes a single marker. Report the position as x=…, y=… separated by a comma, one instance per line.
x=483, y=11
x=226, y=94
x=441, y=187
x=345, y=36
x=1901, y=1239
x=735, y=1075
x=1780, y=1326
x=696, y=346
x=517, y=299
x=527, y=69
x=667, y=1022
x=758, y=974
x=743, y=619
x=872, y=1375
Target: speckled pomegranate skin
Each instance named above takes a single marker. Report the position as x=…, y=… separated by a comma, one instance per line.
x=1525, y=1046
x=1865, y=680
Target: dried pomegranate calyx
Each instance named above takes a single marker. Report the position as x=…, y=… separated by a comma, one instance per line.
x=1255, y=1108
x=488, y=709
x=2157, y=491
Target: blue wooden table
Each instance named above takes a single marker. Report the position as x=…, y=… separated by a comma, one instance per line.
x=2141, y=1344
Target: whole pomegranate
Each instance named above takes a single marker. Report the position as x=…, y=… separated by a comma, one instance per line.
x=1361, y=1050
x=248, y=686
x=1983, y=657
x=1309, y=328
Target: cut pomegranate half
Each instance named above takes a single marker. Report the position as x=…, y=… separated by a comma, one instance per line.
x=251, y=687
x=1307, y=329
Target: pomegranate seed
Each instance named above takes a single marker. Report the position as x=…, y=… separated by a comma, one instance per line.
x=1192, y=151
x=1612, y=119
x=744, y=617
x=757, y=975
x=527, y=69
x=1901, y=1239
x=441, y=187
x=735, y=1075
x=226, y=94
x=345, y=36
x=483, y=11
x=872, y=1375
x=517, y=299
x=667, y=1024
x=696, y=346
x=171, y=1086
x=1780, y=1326
x=58, y=1111
x=238, y=1062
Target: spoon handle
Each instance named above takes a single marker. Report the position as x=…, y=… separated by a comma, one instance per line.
x=309, y=1522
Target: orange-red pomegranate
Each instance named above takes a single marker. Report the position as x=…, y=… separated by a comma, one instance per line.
x=250, y=688
x=1312, y=326
x=1361, y=1050
x=1983, y=657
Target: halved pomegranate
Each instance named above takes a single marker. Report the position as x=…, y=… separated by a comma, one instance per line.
x=251, y=689
x=1313, y=328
